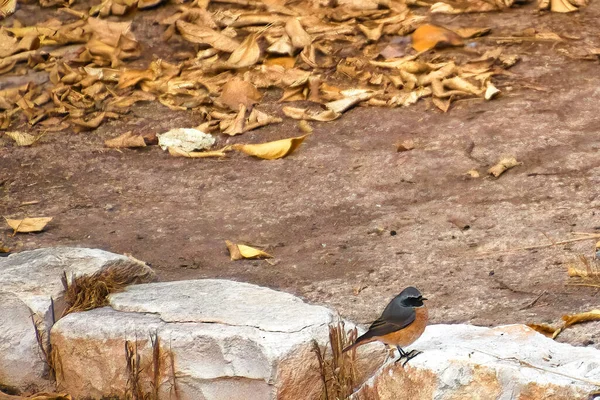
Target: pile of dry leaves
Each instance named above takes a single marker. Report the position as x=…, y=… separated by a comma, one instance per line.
x=333, y=57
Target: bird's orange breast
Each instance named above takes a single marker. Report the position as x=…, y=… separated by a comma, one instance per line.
x=408, y=335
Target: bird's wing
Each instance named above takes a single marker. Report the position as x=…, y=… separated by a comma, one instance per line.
x=393, y=318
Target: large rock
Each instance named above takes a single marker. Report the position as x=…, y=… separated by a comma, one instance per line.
x=29, y=282
x=217, y=339
x=467, y=362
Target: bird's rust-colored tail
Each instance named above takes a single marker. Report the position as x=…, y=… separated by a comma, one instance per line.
x=359, y=342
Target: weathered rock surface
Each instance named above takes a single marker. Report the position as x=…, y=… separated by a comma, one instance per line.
x=508, y=362
x=218, y=339
x=28, y=282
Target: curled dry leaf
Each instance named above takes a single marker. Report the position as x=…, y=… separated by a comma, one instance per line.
x=92, y=123
x=126, y=140
x=204, y=35
x=546, y=330
x=177, y=152
x=503, y=165
x=299, y=37
x=22, y=138
x=241, y=251
x=305, y=126
x=237, y=91
x=405, y=145
x=303, y=113
x=491, y=91
x=271, y=150
x=473, y=173
x=247, y=54
x=28, y=224
x=7, y=7
x=469, y=33
x=428, y=36
x=593, y=315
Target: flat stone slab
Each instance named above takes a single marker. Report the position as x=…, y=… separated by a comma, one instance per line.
x=219, y=339
x=504, y=363
x=28, y=282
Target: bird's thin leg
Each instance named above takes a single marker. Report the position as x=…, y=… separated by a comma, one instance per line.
x=412, y=354
x=401, y=353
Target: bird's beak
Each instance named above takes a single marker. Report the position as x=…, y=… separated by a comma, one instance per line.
x=424, y=298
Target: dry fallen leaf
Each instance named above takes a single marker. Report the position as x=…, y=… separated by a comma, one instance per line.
x=300, y=38
x=473, y=173
x=428, y=36
x=405, y=145
x=593, y=315
x=240, y=251
x=28, y=224
x=468, y=33
x=22, y=138
x=126, y=140
x=7, y=7
x=271, y=150
x=546, y=330
x=177, y=152
x=204, y=35
x=236, y=92
x=503, y=165
x=305, y=126
x=302, y=113
x=247, y=54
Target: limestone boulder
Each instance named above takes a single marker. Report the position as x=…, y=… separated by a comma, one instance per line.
x=30, y=282
x=507, y=362
x=201, y=339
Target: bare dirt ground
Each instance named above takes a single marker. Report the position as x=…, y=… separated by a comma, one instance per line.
x=350, y=220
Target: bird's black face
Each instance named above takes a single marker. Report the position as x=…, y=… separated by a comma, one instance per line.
x=413, y=301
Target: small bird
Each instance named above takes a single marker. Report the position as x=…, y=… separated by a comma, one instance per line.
x=401, y=323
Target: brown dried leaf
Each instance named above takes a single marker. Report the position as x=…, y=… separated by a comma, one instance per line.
x=204, y=35
x=241, y=251
x=468, y=33
x=299, y=37
x=546, y=330
x=177, y=152
x=428, y=36
x=247, y=54
x=303, y=113
x=28, y=224
x=271, y=150
x=405, y=145
x=126, y=140
x=91, y=123
x=503, y=165
x=237, y=91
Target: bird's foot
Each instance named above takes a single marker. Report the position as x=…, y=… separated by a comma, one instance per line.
x=412, y=354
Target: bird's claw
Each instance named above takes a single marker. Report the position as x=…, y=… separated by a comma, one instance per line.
x=409, y=356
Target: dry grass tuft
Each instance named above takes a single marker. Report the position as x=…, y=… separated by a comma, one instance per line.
x=584, y=271
x=338, y=371
x=89, y=292
x=144, y=379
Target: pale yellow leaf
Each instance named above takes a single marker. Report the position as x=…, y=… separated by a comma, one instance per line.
x=241, y=251
x=271, y=150
x=302, y=113
x=22, y=138
x=204, y=35
x=503, y=165
x=177, y=152
x=237, y=91
x=28, y=224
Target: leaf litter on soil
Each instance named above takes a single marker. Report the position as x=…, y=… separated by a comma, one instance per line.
x=331, y=57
